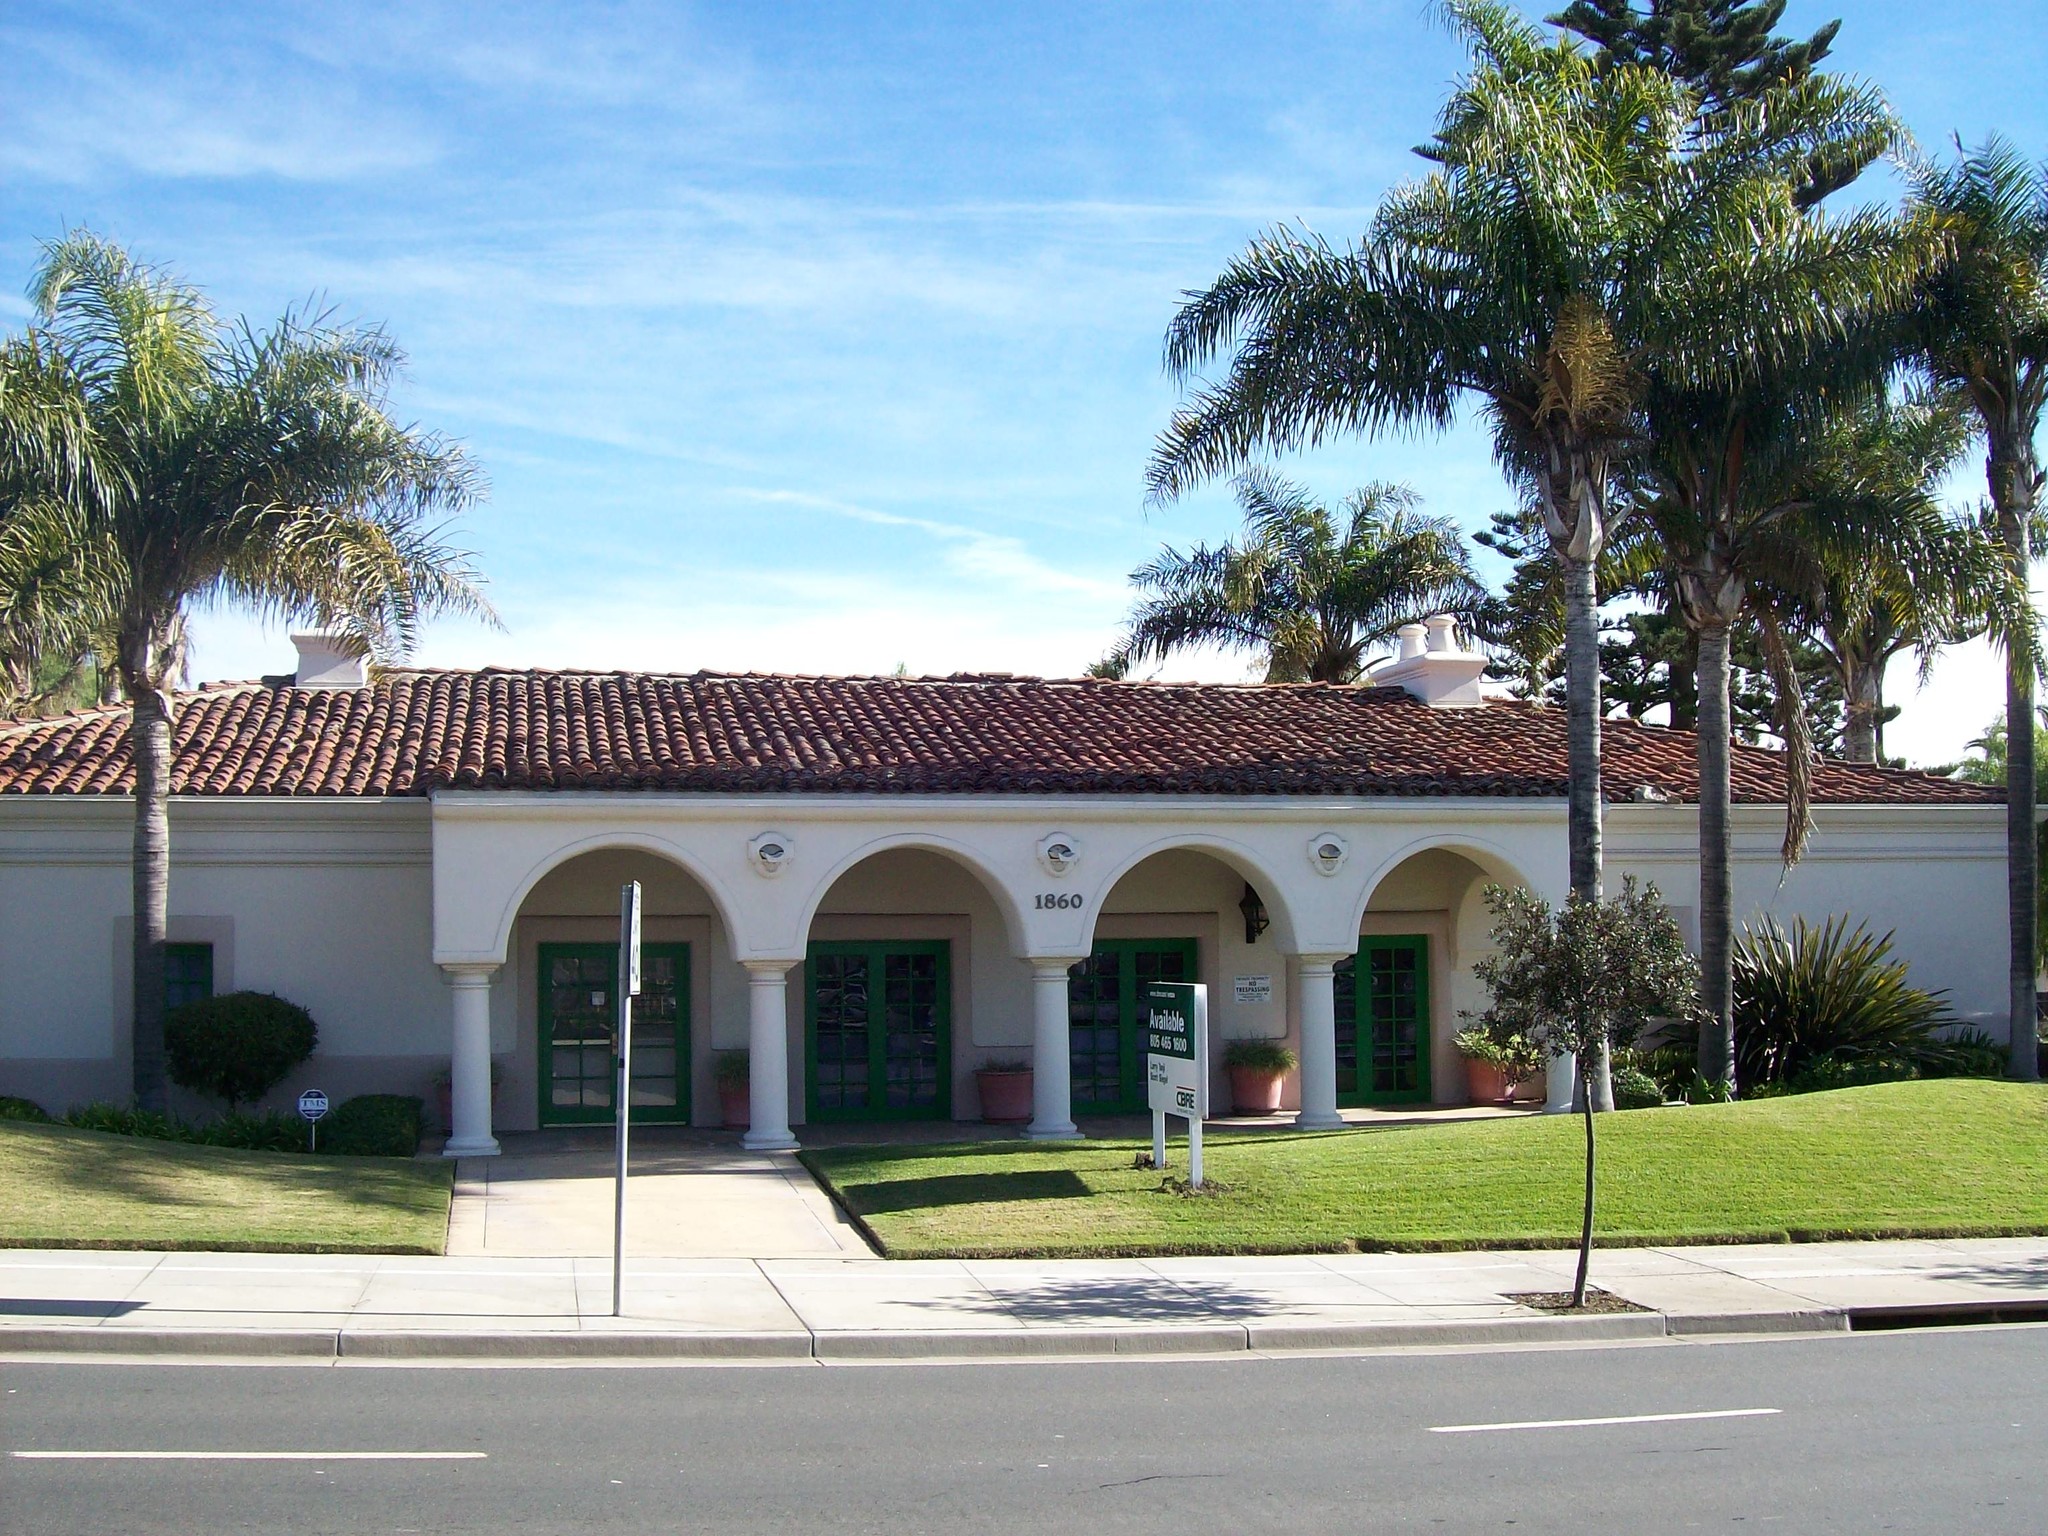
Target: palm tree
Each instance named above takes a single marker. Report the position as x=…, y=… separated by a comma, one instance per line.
x=1580, y=231
x=1310, y=591
x=1934, y=580
x=1983, y=329
x=213, y=464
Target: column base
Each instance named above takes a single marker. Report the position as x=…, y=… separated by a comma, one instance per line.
x=1304, y=1121
x=472, y=1146
x=769, y=1141
x=1067, y=1132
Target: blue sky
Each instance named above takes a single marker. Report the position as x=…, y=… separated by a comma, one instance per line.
x=805, y=337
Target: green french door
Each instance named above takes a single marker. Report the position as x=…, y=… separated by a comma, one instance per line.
x=578, y=1007
x=1103, y=1060
x=1383, y=1022
x=878, y=1030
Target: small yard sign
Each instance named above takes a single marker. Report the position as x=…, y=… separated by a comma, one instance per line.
x=1177, y=1064
x=312, y=1105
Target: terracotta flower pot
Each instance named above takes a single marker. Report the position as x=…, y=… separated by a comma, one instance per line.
x=1005, y=1096
x=1487, y=1084
x=1254, y=1091
x=736, y=1106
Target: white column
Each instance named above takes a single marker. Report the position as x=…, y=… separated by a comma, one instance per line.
x=1052, y=1086
x=469, y=1063
x=1560, y=1083
x=1318, y=1044
x=768, y=1055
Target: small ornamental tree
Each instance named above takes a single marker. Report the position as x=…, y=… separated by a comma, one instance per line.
x=1587, y=979
x=237, y=1046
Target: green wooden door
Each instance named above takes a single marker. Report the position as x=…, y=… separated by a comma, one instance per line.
x=1383, y=1022
x=578, y=1007
x=1105, y=1065
x=878, y=1030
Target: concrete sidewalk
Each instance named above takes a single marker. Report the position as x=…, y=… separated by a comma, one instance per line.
x=399, y=1308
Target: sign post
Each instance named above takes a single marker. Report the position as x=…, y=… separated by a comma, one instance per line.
x=622, y=1095
x=1177, y=1065
x=312, y=1104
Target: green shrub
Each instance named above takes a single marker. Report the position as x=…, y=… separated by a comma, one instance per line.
x=125, y=1120
x=271, y=1132
x=237, y=1046
x=1634, y=1088
x=373, y=1125
x=1516, y=1055
x=1968, y=1053
x=1673, y=1067
x=729, y=1069
x=1808, y=995
x=12, y=1108
x=1828, y=1074
x=1259, y=1056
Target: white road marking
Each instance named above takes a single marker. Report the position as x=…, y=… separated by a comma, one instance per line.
x=250, y=1455
x=1632, y=1418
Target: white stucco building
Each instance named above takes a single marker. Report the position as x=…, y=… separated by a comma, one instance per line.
x=877, y=885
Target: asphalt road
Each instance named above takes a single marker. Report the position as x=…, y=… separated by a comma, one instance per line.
x=1923, y=1431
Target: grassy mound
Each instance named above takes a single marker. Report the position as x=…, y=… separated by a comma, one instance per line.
x=66, y=1188
x=1950, y=1158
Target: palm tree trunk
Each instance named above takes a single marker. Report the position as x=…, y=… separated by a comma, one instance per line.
x=1863, y=703
x=2013, y=474
x=1717, y=889
x=150, y=741
x=1582, y=786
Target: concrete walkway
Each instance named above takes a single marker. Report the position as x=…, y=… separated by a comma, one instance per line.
x=549, y=1195
x=317, y=1307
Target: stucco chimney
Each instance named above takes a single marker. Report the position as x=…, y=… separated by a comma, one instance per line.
x=1434, y=667
x=329, y=660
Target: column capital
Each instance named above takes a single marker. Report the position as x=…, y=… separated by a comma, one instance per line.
x=1321, y=960
x=1044, y=964
x=470, y=973
x=760, y=971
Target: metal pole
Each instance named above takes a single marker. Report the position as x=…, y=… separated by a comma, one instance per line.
x=1194, y=1151
x=1158, y=1138
x=622, y=1102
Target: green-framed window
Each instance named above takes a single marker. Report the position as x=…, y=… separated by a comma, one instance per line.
x=578, y=1009
x=878, y=1030
x=188, y=973
x=1104, y=1063
x=1383, y=1022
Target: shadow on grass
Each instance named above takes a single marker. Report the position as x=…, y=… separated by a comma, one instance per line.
x=948, y=1189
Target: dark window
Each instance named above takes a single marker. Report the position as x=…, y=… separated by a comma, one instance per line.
x=188, y=973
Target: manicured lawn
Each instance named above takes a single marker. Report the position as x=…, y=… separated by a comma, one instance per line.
x=1950, y=1158
x=65, y=1188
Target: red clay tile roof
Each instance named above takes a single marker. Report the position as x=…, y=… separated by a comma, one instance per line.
x=414, y=732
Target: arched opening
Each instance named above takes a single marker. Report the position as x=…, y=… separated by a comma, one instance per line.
x=1424, y=926
x=1180, y=914
x=909, y=986
x=563, y=963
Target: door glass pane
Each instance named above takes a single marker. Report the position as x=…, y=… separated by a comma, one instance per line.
x=1397, y=1026
x=1095, y=1028
x=580, y=1013
x=911, y=1046
x=842, y=1031
x=656, y=1017
x=1346, y=988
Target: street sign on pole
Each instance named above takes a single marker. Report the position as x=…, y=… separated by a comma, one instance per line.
x=312, y=1105
x=1176, y=1024
x=622, y=1095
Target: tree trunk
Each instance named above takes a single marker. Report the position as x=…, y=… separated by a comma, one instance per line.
x=150, y=742
x=1586, y=1224
x=1685, y=687
x=1582, y=789
x=1863, y=704
x=1717, y=891
x=2013, y=476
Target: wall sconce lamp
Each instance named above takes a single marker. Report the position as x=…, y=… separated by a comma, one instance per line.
x=1256, y=921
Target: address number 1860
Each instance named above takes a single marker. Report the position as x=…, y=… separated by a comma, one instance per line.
x=1061, y=901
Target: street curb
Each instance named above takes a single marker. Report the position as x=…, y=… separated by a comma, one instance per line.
x=1107, y=1341
x=437, y=1344
x=1803, y=1320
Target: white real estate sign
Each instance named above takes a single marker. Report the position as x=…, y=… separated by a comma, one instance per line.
x=1177, y=1064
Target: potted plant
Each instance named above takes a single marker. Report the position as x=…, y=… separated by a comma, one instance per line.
x=1497, y=1063
x=735, y=1103
x=1256, y=1068
x=1005, y=1088
x=444, y=1093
